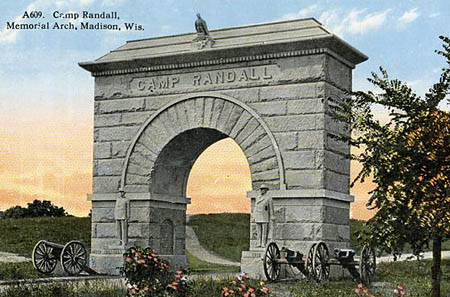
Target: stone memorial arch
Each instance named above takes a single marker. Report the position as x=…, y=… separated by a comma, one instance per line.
x=160, y=102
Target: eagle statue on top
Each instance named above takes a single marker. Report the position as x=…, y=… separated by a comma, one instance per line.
x=203, y=34
x=200, y=25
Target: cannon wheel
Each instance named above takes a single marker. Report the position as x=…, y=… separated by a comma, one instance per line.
x=309, y=262
x=271, y=267
x=367, y=264
x=43, y=258
x=320, y=264
x=74, y=257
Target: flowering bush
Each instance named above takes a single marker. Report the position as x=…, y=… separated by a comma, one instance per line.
x=363, y=291
x=148, y=275
x=179, y=286
x=241, y=287
x=400, y=291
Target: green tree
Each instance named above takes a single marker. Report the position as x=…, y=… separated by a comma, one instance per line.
x=45, y=209
x=408, y=159
x=37, y=208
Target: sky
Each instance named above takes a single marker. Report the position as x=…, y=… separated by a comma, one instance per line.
x=46, y=99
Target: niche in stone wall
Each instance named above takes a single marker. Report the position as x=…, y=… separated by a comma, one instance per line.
x=167, y=237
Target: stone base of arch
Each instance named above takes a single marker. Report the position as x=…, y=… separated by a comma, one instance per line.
x=145, y=229
x=109, y=263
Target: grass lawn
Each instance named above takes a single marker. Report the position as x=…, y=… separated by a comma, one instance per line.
x=9, y=271
x=97, y=289
x=21, y=235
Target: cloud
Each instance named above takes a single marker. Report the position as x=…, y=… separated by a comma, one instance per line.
x=408, y=17
x=356, y=22
x=302, y=13
x=434, y=15
x=339, y=22
x=10, y=36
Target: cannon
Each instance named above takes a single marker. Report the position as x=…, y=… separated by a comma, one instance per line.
x=72, y=256
x=315, y=265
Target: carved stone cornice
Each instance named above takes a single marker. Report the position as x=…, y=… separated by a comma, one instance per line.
x=222, y=61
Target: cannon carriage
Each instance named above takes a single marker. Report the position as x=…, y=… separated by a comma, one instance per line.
x=315, y=265
x=73, y=257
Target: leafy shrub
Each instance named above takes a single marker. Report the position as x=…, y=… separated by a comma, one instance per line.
x=148, y=275
x=35, y=209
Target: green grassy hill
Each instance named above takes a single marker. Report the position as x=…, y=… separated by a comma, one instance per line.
x=19, y=236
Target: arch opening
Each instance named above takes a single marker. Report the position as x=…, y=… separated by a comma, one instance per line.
x=219, y=180
x=172, y=167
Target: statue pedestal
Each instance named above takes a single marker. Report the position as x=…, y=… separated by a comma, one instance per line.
x=252, y=263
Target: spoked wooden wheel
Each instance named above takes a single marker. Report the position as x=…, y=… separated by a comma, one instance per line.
x=271, y=266
x=44, y=259
x=367, y=264
x=74, y=257
x=309, y=263
x=321, y=265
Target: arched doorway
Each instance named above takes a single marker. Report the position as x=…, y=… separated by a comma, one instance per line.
x=162, y=155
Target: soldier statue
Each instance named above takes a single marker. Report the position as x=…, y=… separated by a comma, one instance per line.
x=264, y=214
x=122, y=214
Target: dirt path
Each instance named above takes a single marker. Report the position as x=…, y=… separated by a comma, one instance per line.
x=404, y=257
x=12, y=258
x=193, y=246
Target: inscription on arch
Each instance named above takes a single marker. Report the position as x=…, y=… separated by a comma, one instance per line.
x=185, y=81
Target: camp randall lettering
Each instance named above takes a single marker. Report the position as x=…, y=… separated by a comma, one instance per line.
x=219, y=77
